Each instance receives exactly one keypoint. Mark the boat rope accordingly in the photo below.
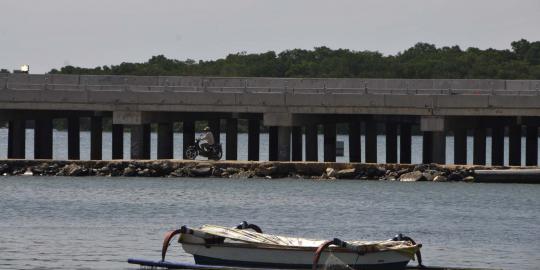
(166, 242)
(401, 237)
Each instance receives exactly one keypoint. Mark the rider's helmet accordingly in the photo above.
(206, 129)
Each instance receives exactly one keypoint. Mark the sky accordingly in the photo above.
(54, 33)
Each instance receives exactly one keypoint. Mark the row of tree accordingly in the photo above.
(423, 60)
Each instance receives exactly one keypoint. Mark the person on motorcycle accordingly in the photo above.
(206, 139)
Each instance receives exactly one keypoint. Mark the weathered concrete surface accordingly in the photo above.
(269, 170)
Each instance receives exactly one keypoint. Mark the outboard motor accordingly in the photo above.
(401, 237)
(245, 225)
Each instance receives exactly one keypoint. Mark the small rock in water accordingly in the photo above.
(469, 179)
(28, 173)
(412, 177)
(440, 178)
(346, 174)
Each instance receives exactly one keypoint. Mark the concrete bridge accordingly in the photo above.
(288, 106)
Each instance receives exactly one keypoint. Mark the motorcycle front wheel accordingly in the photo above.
(191, 152)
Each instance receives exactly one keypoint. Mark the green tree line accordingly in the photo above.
(423, 60)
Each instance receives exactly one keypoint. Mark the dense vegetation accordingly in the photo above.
(423, 60)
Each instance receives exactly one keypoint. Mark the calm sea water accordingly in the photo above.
(97, 223)
(60, 149)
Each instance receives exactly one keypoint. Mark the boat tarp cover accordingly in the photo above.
(252, 237)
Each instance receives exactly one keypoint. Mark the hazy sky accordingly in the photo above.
(52, 33)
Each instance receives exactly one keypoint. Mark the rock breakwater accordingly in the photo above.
(241, 169)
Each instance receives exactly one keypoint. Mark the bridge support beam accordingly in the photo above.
(460, 146)
(273, 143)
(296, 134)
(188, 135)
(74, 138)
(165, 140)
(405, 141)
(391, 142)
(16, 139)
(140, 141)
(312, 143)
(254, 131)
(355, 144)
(117, 141)
(330, 142)
(96, 137)
(232, 139)
(531, 149)
(514, 145)
(284, 143)
(43, 139)
(434, 139)
(497, 146)
(479, 146)
(371, 141)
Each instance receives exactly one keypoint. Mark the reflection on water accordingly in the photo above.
(97, 223)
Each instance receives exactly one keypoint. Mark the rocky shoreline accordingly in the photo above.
(243, 169)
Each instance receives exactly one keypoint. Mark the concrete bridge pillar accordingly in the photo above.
(74, 138)
(371, 141)
(531, 149)
(330, 142)
(165, 140)
(284, 143)
(434, 139)
(254, 130)
(96, 137)
(140, 141)
(232, 139)
(514, 145)
(16, 139)
(405, 141)
(497, 146)
(312, 143)
(273, 143)
(117, 141)
(460, 146)
(43, 139)
(188, 135)
(355, 145)
(296, 134)
(479, 146)
(215, 127)
(391, 142)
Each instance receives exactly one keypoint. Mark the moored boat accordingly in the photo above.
(247, 246)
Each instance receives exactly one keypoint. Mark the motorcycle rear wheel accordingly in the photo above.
(191, 153)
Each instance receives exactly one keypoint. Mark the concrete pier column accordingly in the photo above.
(312, 143)
(165, 141)
(188, 134)
(479, 146)
(355, 145)
(117, 141)
(16, 139)
(371, 141)
(273, 143)
(232, 139)
(391, 142)
(96, 137)
(254, 131)
(497, 146)
(460, 146)
(140, 141)
(74, 138)
(43, 139)
(296, 133)
(284, 143)
(405, 141)
(427, 147)
(514, 145)
(330, 142)
(215, 127)
(531, 149)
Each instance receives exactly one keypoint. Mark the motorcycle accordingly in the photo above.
(214, 152)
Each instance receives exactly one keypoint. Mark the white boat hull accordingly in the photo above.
(290, 258)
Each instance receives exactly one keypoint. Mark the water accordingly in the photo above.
(60, 149)
(97, 223)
